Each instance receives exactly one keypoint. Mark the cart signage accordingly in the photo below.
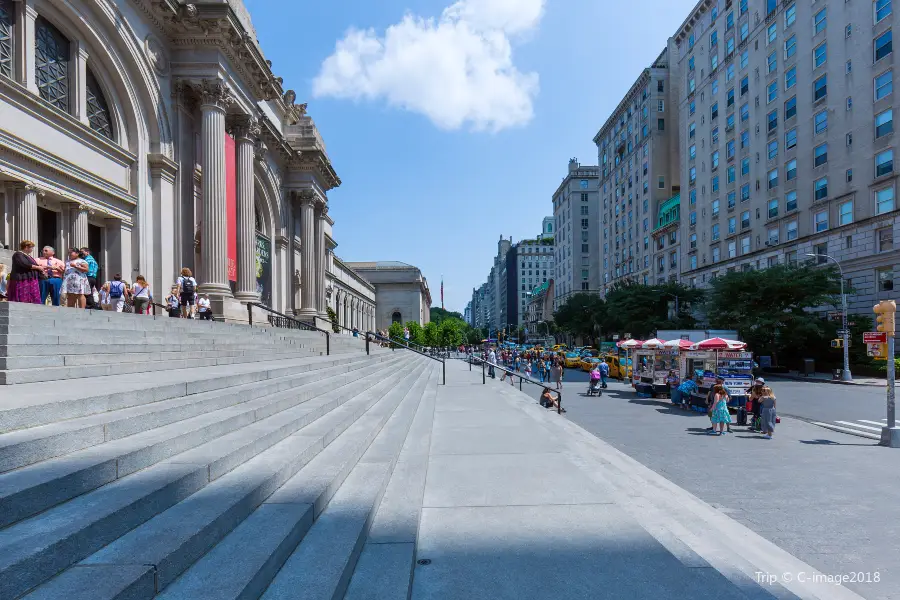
(875, 337)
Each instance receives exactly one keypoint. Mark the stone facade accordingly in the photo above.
(576, 212)
(401, 292)
(114, 137)
(350, 296)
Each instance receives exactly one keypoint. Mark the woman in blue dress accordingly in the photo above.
(720, 415)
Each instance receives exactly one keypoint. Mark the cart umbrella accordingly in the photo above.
(719, 344)
(654, 344)
(679, 344)
(629, 344)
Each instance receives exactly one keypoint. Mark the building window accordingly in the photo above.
(773, 236)
(773, 179)
(882, 10)
(6, 28)
(51, 65)
(732, 249)
(714, 111)
(790, 47)
(715, 208)
(745, 245)
(772, 121)
(731, 200)
(884, 201)
(732, 225)
(396, 318)
(885, 239)
(745, 85)
(661, 183)
(772, 62)
(772, 150)
(791, 169)
(884, 163)
(884, 123)
(820, 22)
(821, 188)
(820, 155)
(745, 192)
(884, 85)
(849, 68)
(790, 15)
(821, 218)
(885, 279)
(716, 255)
(745, 112)
(790, 108)
(845, 213)
(661, 124)
(884, 45)
(745, 219)
(820, 55)
(772, 33)
(791, 230)
(715, 232)
(790, 201)
(849, 138)
(821, 120)
(772, 92)
(745, 167)
(98, 114)
(820, 88)
(849, 175)
(773, 208)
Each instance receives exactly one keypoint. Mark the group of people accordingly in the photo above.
(73, 283)
(546, 367)
(763, 416)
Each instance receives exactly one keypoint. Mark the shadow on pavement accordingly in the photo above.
(833, 443)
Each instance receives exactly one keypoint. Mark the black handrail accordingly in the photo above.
(282, 321)
(370, 336)
(522, 378)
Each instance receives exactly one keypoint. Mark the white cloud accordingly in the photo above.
(456, 69)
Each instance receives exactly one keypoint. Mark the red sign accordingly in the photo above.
(231, 205)
(875, 337)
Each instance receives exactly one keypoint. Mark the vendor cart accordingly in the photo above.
(734, 367)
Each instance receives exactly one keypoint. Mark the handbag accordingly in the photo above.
(95, 295)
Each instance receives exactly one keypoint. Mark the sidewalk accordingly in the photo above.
(827, 378)
(522, 504)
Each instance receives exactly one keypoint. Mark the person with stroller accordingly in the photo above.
(604, 372)
(596, 382)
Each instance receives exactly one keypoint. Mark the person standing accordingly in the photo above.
(719, 413)
(204, 308)
(604, 372)
(76, 283)
(25, 276)
(769, 416)
(556, 373)
(116, 293)
(140, 294)
(187, 287)
(492, 360)
(93, 269)
(54, 269)
(172, 302)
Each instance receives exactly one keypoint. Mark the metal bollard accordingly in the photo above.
(444, 366)
(483, 375)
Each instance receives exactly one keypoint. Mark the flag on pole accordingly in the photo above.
(442, 291)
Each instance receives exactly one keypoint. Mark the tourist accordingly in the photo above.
(719, 414)
(682, 394)
(173, 303)
(556, 373)
(25, 276)
(604, 372)
(492, 360)
(204, 308)
(710, 402)
(105, 300)
(768, 415)
(54, 269)
(93, 269)
(187, 289)
(116, 292)
(141, 296)
(4, 277)
(76, 284)
(548, 400)
(755, 404)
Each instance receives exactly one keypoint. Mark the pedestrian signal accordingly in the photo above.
(886, 312)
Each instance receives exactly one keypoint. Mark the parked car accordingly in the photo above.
(587, 364)
(573, 360)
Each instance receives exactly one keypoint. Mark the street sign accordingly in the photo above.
(875, 337)
(843, 332)
(615, 336)
(627, 336)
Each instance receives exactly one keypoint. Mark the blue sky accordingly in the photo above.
(452, 132)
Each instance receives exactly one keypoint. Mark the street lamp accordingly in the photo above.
(845, 376)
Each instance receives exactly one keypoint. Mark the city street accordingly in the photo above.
(831, 499)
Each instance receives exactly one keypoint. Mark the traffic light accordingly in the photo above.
(884, 321)
(838, 343)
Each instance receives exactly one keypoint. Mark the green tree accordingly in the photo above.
(641, 310)
(415, 332)
(580, 314)
(431, 334)
(439, 315)
(770, 308)
(451, 333)
(396, 331)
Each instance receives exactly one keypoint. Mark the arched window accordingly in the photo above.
(51, 64)
(6, 13)
(396, 318)
(98, 114)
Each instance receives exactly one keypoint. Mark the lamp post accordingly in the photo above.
(845, 376)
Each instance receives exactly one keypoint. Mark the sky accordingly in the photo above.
(451, 124)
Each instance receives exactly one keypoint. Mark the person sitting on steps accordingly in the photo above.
(548, 400)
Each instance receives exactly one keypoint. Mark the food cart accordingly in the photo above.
(717, 357)
(625, 373)
(652, 363)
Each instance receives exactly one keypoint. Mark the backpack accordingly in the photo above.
(187, 285)
(116, 289)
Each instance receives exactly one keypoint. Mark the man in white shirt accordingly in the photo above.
(203, 308)
(492, 360)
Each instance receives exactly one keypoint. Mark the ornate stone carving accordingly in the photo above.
(260, 149)
(190, 11)
(156, 55)
(30, 187)
(329, 290)
(214, 92)
(307, 195)
(290, 97)
(246, 127)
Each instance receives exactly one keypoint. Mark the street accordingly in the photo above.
(829, 498)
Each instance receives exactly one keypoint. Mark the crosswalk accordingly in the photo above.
(862, 427)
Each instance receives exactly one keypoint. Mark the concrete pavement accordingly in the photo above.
(520, 502)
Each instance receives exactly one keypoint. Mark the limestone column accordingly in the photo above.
(79, 218)
(321, 215)
(246, 133)
(308, 295)
(26, 214)
(215, 99)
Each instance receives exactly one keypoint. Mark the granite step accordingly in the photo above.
(29, 490)
(181, 533)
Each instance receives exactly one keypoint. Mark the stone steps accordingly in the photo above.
(31, 489)
(199, 508)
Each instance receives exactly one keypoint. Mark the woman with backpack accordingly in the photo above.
(140, 293)
(117, 291)
(187, 288)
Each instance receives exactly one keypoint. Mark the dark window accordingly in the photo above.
(6, 13)
(52, 64)
(396, 318)
(97, 109)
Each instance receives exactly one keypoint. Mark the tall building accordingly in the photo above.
(576, 216)
(787, 139)
(529, 263)
(639, 181)
(467, 313)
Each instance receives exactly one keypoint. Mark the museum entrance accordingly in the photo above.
(48, 232)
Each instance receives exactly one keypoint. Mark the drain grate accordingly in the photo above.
(423, 561)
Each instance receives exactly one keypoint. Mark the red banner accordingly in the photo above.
(231, 205)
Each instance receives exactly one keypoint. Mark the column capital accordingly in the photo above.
(32, 188)
(162, 166)
(306, 196)
(214, 93)
(246, 128)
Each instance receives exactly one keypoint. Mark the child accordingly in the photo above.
(719, 414)
(768, 417)
(528, 369)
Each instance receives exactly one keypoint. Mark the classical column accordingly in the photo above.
(26, 214)
(24, 52)
(79, 216)
(308, 254)
(246, 131)
(321, 212)
(215, 98)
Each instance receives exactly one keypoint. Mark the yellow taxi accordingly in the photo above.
(617, 367)
(573, 360)
(588, 364)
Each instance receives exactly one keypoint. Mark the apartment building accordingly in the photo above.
(787, 139)
(576, 214)
(639, 182)
(532, 264)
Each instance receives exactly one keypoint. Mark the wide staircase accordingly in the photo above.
(145, 457)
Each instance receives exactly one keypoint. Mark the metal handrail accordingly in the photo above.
(522, 378)
(282, 321)
(374, 336)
